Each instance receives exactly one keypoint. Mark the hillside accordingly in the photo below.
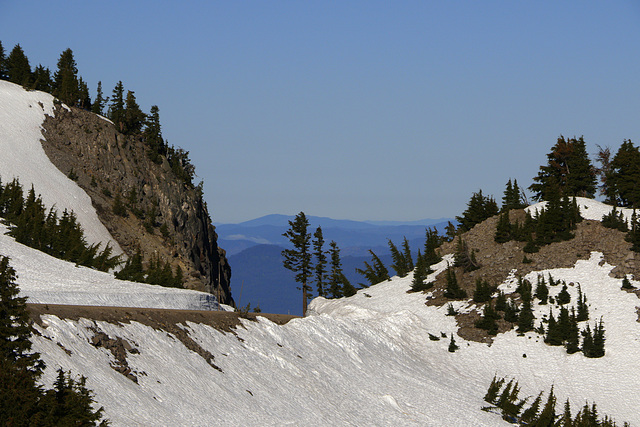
(48, 142)
(377, 358)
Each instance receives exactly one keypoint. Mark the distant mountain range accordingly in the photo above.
(254, 252)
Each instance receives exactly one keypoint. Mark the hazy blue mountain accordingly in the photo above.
(260, 279)
(353, 237)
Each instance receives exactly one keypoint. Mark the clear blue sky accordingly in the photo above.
(355, 109)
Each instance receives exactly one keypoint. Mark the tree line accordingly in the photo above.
(121, 108)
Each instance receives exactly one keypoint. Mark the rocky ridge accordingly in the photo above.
(167, 217)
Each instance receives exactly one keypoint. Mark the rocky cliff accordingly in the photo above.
(165, 217)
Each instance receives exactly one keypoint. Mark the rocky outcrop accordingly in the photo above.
(165, 217)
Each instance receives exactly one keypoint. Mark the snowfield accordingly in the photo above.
(21, 116)
(363, 360)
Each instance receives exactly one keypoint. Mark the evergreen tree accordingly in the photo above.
(501, 302)
(464, 257)
(503, 229)
(615, 219)
(116, 107)
(406, 254)
(598, 340)
(452, 345)
(66, 87)
(572, 343)
(624, 174)
(431, 244)
(511, 312)
(18, 68)
(335, 274)
(530, 414)
(563, 297)
(488, 320)
(568, 169)
(419, 283)
(548, 415)
(3, 65)
(587, 342)
(542, 291)
(42, 79)
(98, 105)
(298, 259)
(478, 209)
(84, 100)
(153, 136)
(626, 284)
(525, 317)
(453, 290)
(400, 262)
(375, 272)
(583, 309)
(494, 388)
(133, 117)
(321, 261)
(450, 231)
(513, 197)
(483, 291)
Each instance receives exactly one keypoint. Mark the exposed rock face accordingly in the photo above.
(166, 217)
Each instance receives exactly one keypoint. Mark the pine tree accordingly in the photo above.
(18, 68)
(3, 65)
(335, 274)
(478, 209)
(116, 107)
(320, 261)
(465, 257)
(98, 105)
(598, 340)
(133, 117)
(452, 345)
(554, 334)
(431, 244)
(153, 136)
(298, 259)
(548, 415)
(406, 254)
(572, 343)
(453, 290)
(419, 284)
(488, 320)
(583, 309)
(563, 297)
(503, 229)
(42, 79)
(375, 272)
(623, 176)
(525, 317)
(501, 301)
(530, 414)
(400, 262)
(511, 312)
(494, 388)
(542, 291)
(483, 291)
(66, 87)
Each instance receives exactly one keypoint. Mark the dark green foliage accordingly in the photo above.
(524, 289)
(406, 254)
(156, 273)
(583, 309)
(483, 291)
(298, 259)
(503, 229)
(452, 345)
(593, 344)
(465, 257)
(431, 243)
(3, 65)
(478, 209)
(511, 312)
(633, 236)
(488, 320)
(568, 171)
(615, 219)
(133, 118)
(420, 273)
(22, 400)
(623, 176)
(513, 197)
(514, 411)
(375, 272)
(18, 68)
(626, 284)
(100, 102)
(152, 135)
(563, 297)
(554, 333)
(42, 79)
(66, 86)
(453, 290)
(61, 237)
(321, 261)
(335, 283)
(402, 262)
(525, 317)
(181, 165)
(542, 291)
(572, 340)
(116, 107)
(450, 231)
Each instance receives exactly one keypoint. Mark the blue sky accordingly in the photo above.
(355, 109)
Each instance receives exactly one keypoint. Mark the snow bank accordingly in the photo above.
(47, 280)
(21, 116)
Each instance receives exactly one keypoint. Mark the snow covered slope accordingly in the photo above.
(47, 280)
(21, 116)
(363, 360)
(589, 209)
